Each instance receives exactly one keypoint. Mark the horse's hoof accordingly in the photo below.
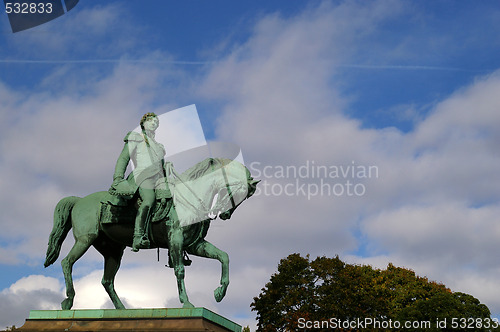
(140, 243)
(67, 304)
(219, 293)
(188, 304)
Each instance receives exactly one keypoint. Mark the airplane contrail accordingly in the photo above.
(90, 61)
(410, 67)
(201, 63)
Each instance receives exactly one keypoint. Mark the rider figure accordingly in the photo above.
(147, 155)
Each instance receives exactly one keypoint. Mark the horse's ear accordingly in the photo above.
(253, 183)
(252, 187)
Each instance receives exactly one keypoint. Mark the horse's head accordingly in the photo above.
(234, 195)
(215, 187)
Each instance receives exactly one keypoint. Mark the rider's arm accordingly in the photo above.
(122, 163)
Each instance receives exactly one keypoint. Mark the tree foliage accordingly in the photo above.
(327, 288)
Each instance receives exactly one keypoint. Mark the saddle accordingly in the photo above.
(111, 213)
(120, 212)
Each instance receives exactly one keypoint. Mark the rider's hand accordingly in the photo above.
(116, 181)
(168, 168)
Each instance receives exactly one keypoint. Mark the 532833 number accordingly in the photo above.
(28, 8)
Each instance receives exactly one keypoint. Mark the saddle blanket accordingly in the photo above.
(125, 214)
(112, 214)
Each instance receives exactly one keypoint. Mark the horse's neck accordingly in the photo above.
(206, 186)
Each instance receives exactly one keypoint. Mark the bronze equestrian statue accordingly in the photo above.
(178, 219)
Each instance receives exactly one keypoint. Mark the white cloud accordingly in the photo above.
(455, 233)
(144, 286)
(432, 208)
(35, 282)
(32, 292)
(434, 204)
(55, 145)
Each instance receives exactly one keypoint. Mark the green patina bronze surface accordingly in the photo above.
(179, 210)
(150, 313)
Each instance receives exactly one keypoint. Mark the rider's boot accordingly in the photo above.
(140, 238)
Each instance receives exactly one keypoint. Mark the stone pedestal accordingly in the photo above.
(172, 319)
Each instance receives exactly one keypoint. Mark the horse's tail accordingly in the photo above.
(62, 225)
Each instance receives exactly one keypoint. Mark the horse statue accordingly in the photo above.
(212, 188)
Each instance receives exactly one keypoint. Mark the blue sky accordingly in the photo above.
(411, 87)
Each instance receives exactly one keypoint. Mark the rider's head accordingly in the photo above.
(146, 117)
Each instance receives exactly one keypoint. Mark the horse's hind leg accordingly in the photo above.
(79, 248)
(112, 253)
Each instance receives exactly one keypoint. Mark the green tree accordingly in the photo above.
(325, 288)
(288, 294)
(346, 291)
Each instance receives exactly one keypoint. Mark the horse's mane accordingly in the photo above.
(204, 167)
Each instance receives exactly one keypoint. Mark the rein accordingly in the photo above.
(192, 192)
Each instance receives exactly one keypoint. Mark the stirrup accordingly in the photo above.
(140, 242)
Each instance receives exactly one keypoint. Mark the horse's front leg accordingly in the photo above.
(208, 250)
(175, 251)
